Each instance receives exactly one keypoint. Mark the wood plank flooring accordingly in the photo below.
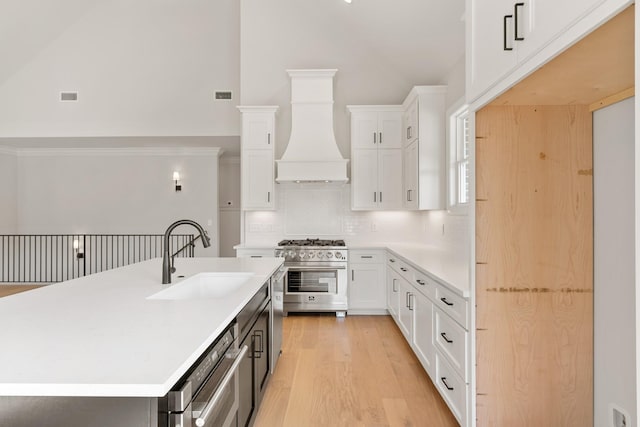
(6, 290)
(352, 372)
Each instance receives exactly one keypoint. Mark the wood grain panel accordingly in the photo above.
(598, 66)
(534, 272)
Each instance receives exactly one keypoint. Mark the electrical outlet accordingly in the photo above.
(619, 417)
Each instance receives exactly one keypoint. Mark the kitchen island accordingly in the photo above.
(101, 336)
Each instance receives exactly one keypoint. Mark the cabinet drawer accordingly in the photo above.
(452, 388)
(255, 253)
(401, 267)
(452, 304)
(450, 339)
(366, 257)
(424, 284)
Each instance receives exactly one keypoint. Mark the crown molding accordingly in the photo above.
(124, 151)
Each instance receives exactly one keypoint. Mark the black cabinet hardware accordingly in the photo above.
(403, 269)
(420, 282)
(504, 31)
(444, 300)
(444, 381)
(444, 336)
(516, 19)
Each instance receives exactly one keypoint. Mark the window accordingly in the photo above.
(459, 153)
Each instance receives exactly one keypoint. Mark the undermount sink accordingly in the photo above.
(204, 286)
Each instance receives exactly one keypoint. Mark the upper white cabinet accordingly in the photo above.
(376, 157)
(501, 35)
(376, 127)
(257, 157)
(424, 152)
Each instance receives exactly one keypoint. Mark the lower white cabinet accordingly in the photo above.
(393, 293)
(423, 331)
(405, 310)
(255, 252)
(433, 320)
(367, 285)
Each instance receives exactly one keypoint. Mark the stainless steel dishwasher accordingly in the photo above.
(208, 395)
(277, 306)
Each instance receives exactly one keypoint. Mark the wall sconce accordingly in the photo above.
(176, 178)
(77, 249)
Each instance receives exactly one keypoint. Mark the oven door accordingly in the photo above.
(216, 403)
(310, 279)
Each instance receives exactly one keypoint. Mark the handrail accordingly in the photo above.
(49, 258)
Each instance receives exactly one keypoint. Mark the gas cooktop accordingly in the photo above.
(311, 242)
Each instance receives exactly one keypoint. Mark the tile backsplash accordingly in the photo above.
(324, 211)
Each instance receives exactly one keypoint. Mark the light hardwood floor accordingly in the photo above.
(357, 371)
(6, 290)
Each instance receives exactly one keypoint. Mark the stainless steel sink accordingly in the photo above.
(204, 286)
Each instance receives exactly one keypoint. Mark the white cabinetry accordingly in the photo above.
(367, 286)
(376, 157)
(255, 252)
(257, 162)
(501, 35)
(425, 147)
(434, 321)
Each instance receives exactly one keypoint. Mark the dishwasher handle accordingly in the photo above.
(202, 419)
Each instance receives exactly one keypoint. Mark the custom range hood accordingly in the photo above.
(312, 154)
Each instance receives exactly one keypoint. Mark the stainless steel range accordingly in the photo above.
(317, 276)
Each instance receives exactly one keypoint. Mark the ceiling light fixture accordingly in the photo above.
(348, 1)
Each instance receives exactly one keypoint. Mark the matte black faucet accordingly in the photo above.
(166, 257)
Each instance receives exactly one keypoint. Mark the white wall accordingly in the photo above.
(614, 266)
(8, 192)
(229, 202)
(147, 67)
(286, 34)
(445, 230)
(117, 191)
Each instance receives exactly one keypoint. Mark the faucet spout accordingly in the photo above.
(166, 257)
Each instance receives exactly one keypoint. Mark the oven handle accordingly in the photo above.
(202, 419)
(292, 268)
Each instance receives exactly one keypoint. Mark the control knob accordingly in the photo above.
(302, 255)
(320, 254)
(329, 255)
(311, 254)
(338, 255)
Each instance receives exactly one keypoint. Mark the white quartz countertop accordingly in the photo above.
(100, 335)
(450, 269)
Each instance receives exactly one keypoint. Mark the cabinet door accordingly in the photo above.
(257, 179)
(410, 189)
(364, 132)
(541, 21)
(393, 293)
(390, 179)
(367, 287)
(411, 130)
(486, 58)
(261, 353)
(423, 331)
(257, 131)
(405, 309)
(364, 179)
(390, 129)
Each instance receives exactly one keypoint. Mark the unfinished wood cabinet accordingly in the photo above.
(534, 278)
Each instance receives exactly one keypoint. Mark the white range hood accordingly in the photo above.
(312, 154)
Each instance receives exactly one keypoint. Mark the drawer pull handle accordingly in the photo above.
(420, 282)
(256, 256)
(393, 286)
(516, 19)
(366, 256)
(504, 32)
(444, 300)
(392, 260)
(444, 336)
(403, 269)
(444, 381)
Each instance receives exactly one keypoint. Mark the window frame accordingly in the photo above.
(455, 114)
